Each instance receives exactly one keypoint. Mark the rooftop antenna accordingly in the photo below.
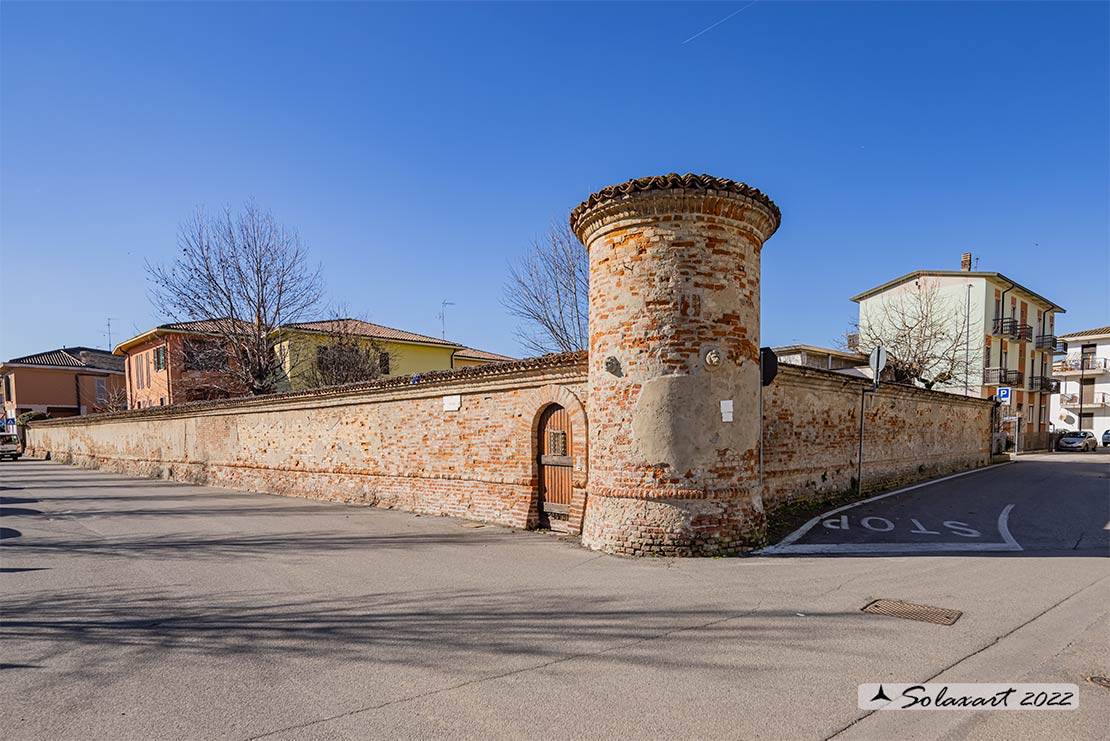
(443, 317)
(976, 264)
(110, 346)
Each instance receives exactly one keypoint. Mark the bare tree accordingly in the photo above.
(548, 290)
(114, 400)
(347, 355)
(925, 335)
(247, 274)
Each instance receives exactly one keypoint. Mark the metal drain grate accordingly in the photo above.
(910, 611)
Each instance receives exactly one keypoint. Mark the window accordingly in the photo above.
(204, 355)
(162, 401)
(557, 442)
(383, 363)
(7, 387)
(101, 390)
(160, 358)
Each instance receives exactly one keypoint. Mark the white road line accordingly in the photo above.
(1004, 528)
(819, 548)
(797, 534)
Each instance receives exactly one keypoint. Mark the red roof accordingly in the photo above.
(74, 357)
(469, 353)
(366, 329)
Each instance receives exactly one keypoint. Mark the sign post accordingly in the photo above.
(768, 369)
(877, 362)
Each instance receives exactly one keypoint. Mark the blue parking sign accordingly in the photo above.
(1003, 393)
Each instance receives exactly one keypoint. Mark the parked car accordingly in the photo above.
(1106, 439)
(10, 447)
(1083, 440)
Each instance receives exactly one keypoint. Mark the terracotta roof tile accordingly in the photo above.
(1097, 331)
(214, 326)
(568, 360)
(74, 357)
(367, 329)
(673, 181)
(473, 354)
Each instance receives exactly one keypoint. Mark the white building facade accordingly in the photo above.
(1008, 331)
(1084, 375)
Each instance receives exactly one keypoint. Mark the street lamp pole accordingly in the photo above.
(1082, 373)
(967, 345)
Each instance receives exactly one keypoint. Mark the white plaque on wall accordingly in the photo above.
(452, 403)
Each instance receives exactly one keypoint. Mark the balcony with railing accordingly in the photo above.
(1081, 366)
(1011, 327)
(1052, 344)
(1004, 326)
(1044, 383)
(1090, 401)
(1002, 377)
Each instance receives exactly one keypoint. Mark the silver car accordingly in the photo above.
(10, 446)
(1082, 440)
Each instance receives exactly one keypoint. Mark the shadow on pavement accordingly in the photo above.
(200, 545)
(430, 628)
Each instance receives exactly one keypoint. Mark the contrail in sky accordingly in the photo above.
(710, 28)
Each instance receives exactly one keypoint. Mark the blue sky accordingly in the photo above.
(419, 147)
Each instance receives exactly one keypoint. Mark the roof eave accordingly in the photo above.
(1053, 306)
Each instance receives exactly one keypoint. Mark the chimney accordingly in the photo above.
(965, 262)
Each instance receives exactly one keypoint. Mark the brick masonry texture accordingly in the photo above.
(657, 469)
(811, 436)
(394, 446)
(391, 446)
(674, 276)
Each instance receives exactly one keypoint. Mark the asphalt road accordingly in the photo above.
(138, 609)
(1048, 503)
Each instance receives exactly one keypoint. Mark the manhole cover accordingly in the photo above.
(1100, 681)
(910, 611)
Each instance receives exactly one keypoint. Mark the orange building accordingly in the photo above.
(63, 383)
(174, 363)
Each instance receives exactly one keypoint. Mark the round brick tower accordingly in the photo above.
(674, 364)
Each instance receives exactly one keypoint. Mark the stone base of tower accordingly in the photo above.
(674, 527)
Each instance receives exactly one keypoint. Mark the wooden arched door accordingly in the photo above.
(556, 466)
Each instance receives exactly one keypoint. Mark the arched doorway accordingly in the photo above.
(554, 445)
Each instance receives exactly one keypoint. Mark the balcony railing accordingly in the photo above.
(1004, 326)
(1051, 343)
(1044, 383)
(1002, 377)
(1071, 401)
(1011, 327)
(1076, 365)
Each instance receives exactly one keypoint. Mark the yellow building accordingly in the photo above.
(302, 346)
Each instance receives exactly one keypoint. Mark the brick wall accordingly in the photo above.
(811, 436)
(666, 446)
(390, 444)
(674, 334)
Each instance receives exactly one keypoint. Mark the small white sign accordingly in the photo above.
(1003, 393)
(452, 403)
(726, 410)
(877, 361)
